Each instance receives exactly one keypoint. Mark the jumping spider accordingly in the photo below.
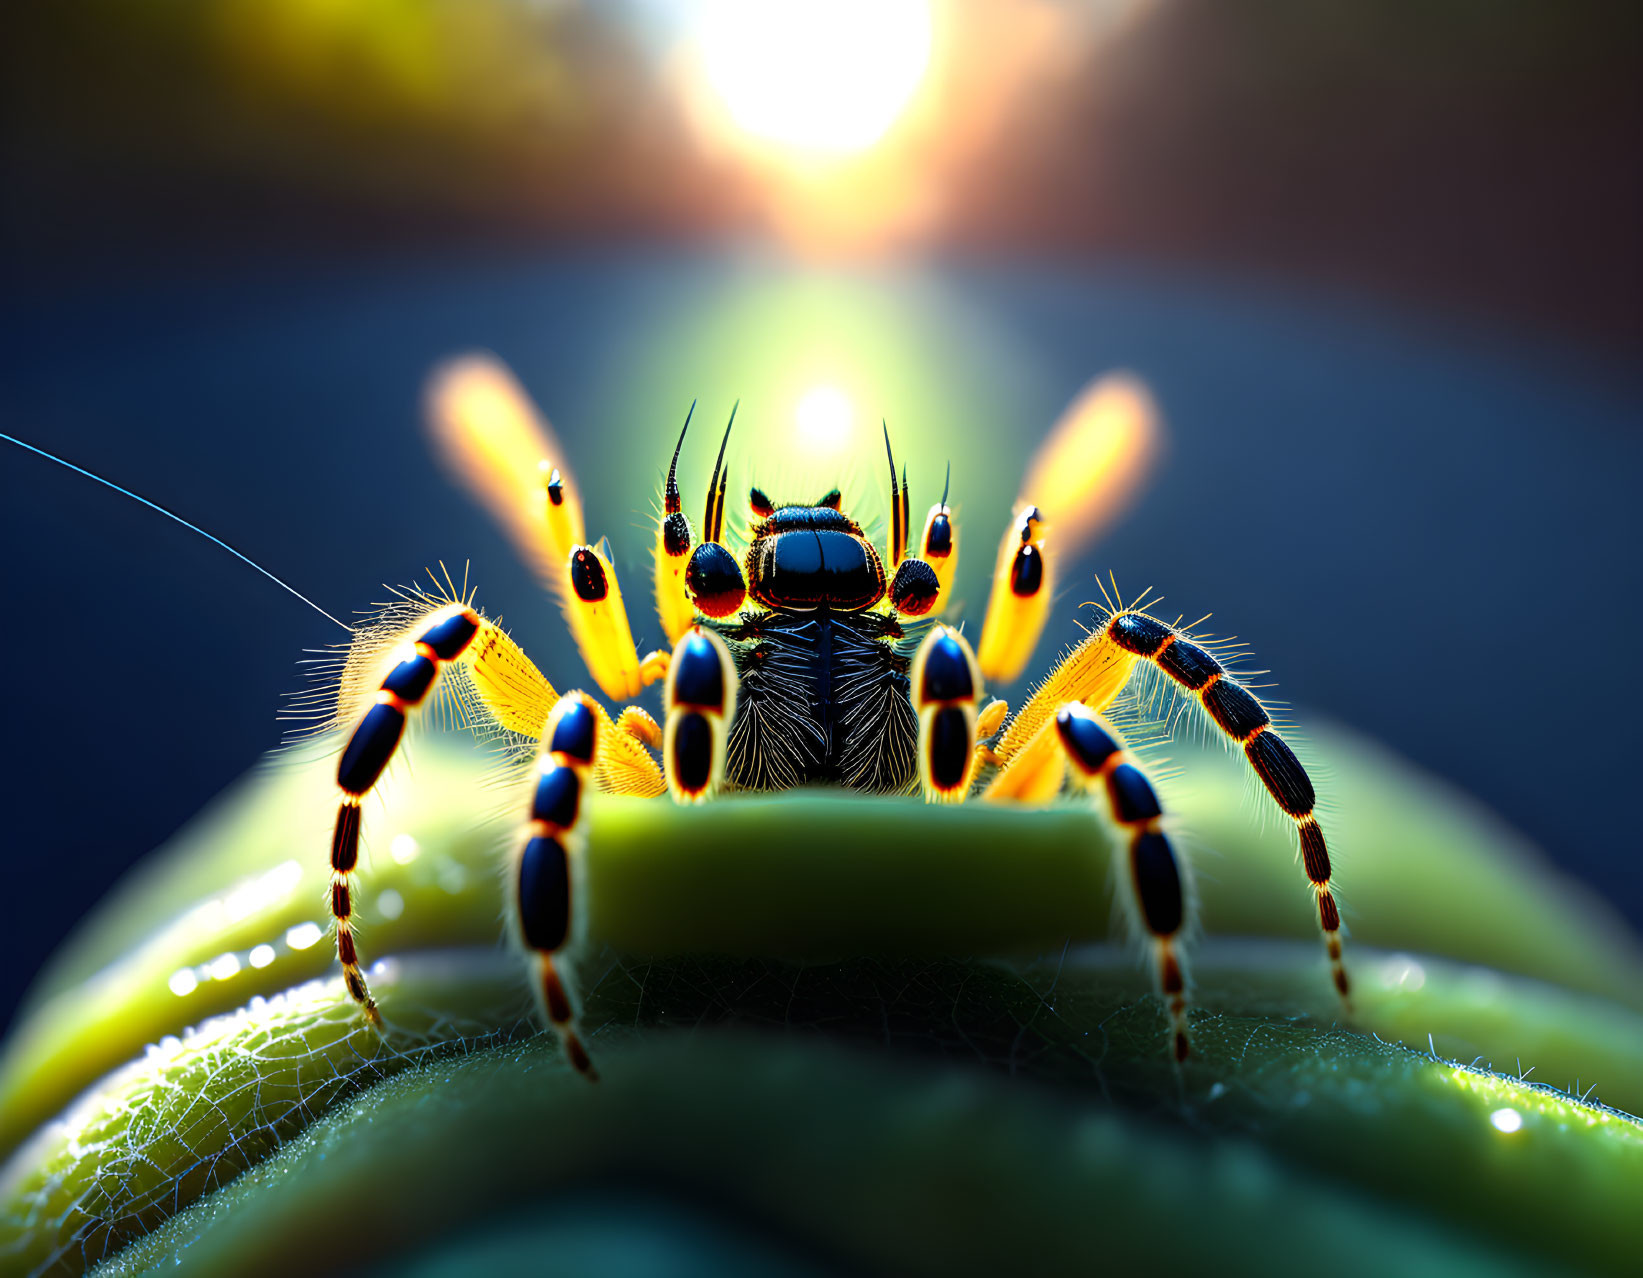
(802, 656)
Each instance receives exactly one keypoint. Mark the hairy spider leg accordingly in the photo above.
(946, 685)
(544, 878)
(598, 621)
(989, 720)
(713, 579)
(701, 703)
(641, 725)
(1155, 891)
(1091, 672)
(1023, 582)
(672, 553)
(495, 442)
(1236, 712)
(1088, 469)
(938, 544)
(1096, 671)
(1033, 773)
(443, 638)
(915, 586)
(508, 691)
(491, 687)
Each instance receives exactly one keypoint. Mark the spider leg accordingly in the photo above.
(442, 636)
(989, 720)
(672, 553)
(641, 725)
(512, 692)
(1033, 773)
(1154, 891)
(440, 649)
(938, 544)
(544, 875)
(1088, 468)
(946, 687)
(1023, 582)
(1084, 744)
(493, 439)
(598, 621)
(701, 703)
(1096, 671)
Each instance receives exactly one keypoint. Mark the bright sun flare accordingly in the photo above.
(823, 76)
(824, 416)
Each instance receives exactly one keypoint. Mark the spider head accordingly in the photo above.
(804, 557)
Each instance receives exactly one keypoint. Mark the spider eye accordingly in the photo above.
(832, 500)
(759, 503)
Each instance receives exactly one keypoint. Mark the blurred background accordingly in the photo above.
(1378, 263)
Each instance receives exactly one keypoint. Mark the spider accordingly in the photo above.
(802, 655)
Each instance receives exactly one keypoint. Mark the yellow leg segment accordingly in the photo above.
(988, 722)
(1087, 471)
(1035, 773)
(518, 696)
(510, 691)
(501, 449)
(598, 622)
(495, 442)
(639, 724)
(1093, 673)
(938, 545)
(672, 552)
(1023, 582)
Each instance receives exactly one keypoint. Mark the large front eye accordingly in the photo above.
(759, 504)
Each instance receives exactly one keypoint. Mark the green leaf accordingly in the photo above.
(878, 1105)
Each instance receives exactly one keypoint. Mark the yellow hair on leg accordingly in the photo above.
(1094, 672)
(1015, 620)
(673, 607)
(624, 765)
(517, 695)
(1034, 772)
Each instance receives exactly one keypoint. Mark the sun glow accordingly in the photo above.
(826, 77)
(825, 418)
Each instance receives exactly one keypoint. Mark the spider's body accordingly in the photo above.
(803, 558)
(809, 658)
(820, 659)
(824, 700)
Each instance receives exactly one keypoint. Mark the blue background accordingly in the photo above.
(1427, 532)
